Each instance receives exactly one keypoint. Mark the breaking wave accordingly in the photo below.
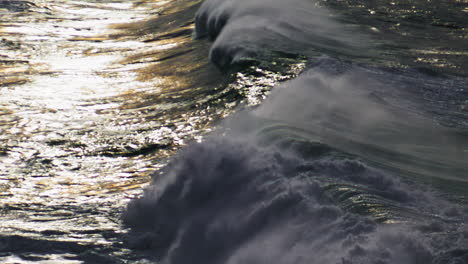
(229, 201)
(245, 29)
(327, 170)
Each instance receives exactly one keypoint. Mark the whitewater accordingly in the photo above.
(326, 169)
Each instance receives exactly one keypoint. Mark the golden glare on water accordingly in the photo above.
(77, 111)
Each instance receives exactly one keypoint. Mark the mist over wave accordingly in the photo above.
(387, 116)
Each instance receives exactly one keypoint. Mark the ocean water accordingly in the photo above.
(234, 131)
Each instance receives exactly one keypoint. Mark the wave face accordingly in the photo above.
(327, 170)
(387, 116)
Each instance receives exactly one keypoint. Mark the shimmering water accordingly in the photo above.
(72, 128)
(95, 96)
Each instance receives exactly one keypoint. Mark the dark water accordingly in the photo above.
(268, 131)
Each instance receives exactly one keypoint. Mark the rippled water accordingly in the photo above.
(97, 95)
(74, 125)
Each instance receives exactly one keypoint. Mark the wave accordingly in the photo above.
(386, 116)
(229, 201)
(284, 184)
(251, 29)
(327, 170)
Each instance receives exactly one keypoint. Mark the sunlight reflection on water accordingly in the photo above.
(63, 168)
